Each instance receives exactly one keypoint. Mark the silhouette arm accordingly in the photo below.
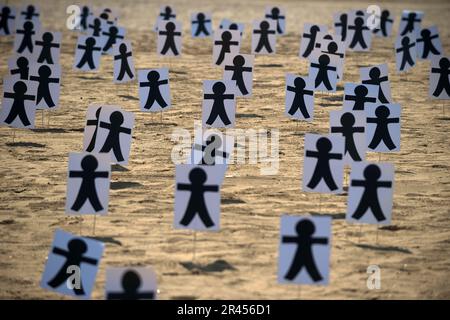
(337, 129)
(9, 95)
(230, 68)
(163, 82)
(358, 183)
(289, 88)
(209, 96)
(393, 120)
(125, 130)
(76, 174)
(384, 184)
(228, 96)
(372, 120)
(34, 78)
(102, 174)
(358, 129)
(312, 154)
(105, 125)
(53, 80)
(211, 188)
(320, 240)
(290, 239)
(60, 252)
(89, 260)
(184, 187)
(337, 156)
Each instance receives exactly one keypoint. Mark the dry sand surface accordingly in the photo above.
(240, 261)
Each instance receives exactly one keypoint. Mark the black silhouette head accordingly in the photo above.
(239, 61)
(347, 119)
(425, 33)
(314, 29)
(123, 48)
(405, 41)
(197, 176)
(77, 247)
(89, 163)
(328, 37)
(85, 10)
(90, 42)
(374, 73)
(275, 12)
(382, 112)
(104, 16)
(324, 60)
(444, 63)
(360, 13)
(97, 22)
(5, 11)
(359, 21)
(113, 30)
(22, 63)
(219, 88)
(107, 10)
(343, 18)
(28, 26)
(233, 26)
(299, 83)
(385, 13)
(201, 16)
(47, 37)
(323, 145)
(45, 71)
(168, 10)
(31, 9)
(332, 47)
(20, 87)
(226, 36)
(116, 118)
(170, 26)
(412, 16)
(305, 228)
(361, 91)
(131, 281)
(264, 25)
(153, 76)
(372, 172)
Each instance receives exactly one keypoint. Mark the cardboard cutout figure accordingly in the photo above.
(25, 37)
(169, 38)
(88, 53)
(239, 68)
(225, 42)
(410, 23)
(340, 22)
(359, 96)
(277, 14)
(123, 62)
(201, 25)
(154, 89)
(299, 103)
(47, 47)
(48, 82)
(359, 36)
(428, 44)
(405, 53)
(264, 36)
(378, 75)
(324, 72)
(440, 78)
(112, 35)
(219, 103)
(19, 67)
(383, 128)
(7, 20)
(135, 283)
(310, 38)
(386, 22)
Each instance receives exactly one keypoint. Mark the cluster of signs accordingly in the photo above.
(369, 121)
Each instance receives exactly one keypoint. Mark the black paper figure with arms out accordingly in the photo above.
(322, 73)
(314, 30)
(304, 257)
(18, 107)
(96, 27)
(30, 13)
(409, 27)
(382, 121)
(27, 40)
(167, 14)
(115, 128)
(74, 257)
(113, 35)
(88, 55)
(347, 130)
(22, 68)
(88, 191)
(201, 24)
(4, 20)
(443, 82)
(238, 72)
(375, 79)
(131, 282)
(218, 108)
(154, 94)
(124, 65)
(369, 199)
(225, 44)
(170, 34)
(299, 101)
(360, 97)
(343, 24)
(323, 170)
(196, 204)
(358, 35)
(210, 150)
(332, 48)
(384, 21)
(93, 122)
(46, 51)
(264, 37)
(83, 17)
(428, 45)
(406, 56)
(275, 15)
(43, 90)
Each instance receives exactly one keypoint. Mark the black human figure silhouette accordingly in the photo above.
(22, 68)
(4, 20)
(264, 32)
(443, 82)
(312, 36)
(47, 45)
(88, 191)
(410, 20)
(322, 169)
(384, 21)
(369, 199)
(196, 204)
(358, 34)
(332, 49)
(298, 103)
(212, 144)
(115, 128)
(343, 25)
(382, 121)
(406, 56)
(218, 108)
(43, 90)
(167, 14)
(348, 130)
(375, 79)
(30, 13)
(225, 44)
(131, 282)
(154, 94)
(360, 97)
(88, 55)
(96, 27)
(85, 12)
(322, 73)
(124, 65)
(18, 108)
(93, 122)
(113, 35)
(275, 15)
(74, 257)
(201, 24)
(27, 39)
(428, 45)
(170, 34)
(238, 73)
(304, 257)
